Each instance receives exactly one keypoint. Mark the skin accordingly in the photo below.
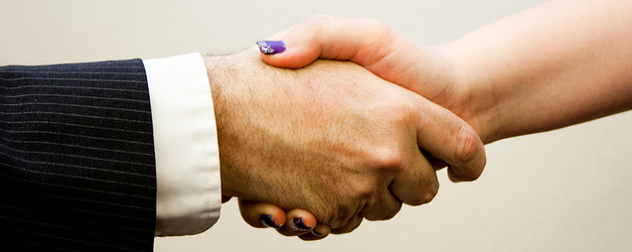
(560, 63)
(331, 138)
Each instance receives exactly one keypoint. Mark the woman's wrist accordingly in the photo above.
(473, 97)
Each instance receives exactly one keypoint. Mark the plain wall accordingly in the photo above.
(566, 190)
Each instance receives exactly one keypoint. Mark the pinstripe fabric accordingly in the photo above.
(77, 168)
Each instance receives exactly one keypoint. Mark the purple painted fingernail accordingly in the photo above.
(298, 225)
(271, 47)
(316, 233)
(268, 221)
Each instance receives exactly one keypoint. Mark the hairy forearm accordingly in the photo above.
(558, 64)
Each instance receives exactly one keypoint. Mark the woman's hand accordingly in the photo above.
(296, 222)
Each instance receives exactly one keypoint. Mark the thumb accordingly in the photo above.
(279, 53)
(364, 41)
(447, 137)
(375, 46)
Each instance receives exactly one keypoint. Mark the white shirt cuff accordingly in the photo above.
(185, 140)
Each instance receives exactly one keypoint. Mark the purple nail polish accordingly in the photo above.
(268, 221)
(316, 233)
(299, 225)
(271, 47)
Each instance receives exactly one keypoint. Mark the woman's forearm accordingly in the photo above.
(557, 64)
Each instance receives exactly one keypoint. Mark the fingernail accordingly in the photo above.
(268, 221)
(316, 233)
(299, 225)
(271, 47)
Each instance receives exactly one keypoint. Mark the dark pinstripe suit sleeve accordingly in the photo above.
(76, 158)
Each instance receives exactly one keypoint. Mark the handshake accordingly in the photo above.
(334, 143)
(319, 127)
(367, 115)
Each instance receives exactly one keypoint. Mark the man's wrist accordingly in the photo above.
(226, 77)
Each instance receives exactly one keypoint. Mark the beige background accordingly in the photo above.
(565, 190)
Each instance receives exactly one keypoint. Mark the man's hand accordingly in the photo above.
(332, 139)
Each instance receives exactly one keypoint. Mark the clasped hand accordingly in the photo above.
(333, 141)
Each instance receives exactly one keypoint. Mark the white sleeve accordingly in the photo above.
(185, 140)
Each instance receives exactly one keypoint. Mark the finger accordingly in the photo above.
(418, 183)
(383, 206)
(318, 233)
(436, 163)
(370, 43)
(262, 215)
(447, 137)
(350, 225)
(298, 222)
(331, 38)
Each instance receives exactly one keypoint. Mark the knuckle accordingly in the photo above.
(431, 194)
(336, 216)
(467, 147)
(425, 197)
(390, 159)
(363, 192)
(318, 25)
(381, 211)
(390, 213)
(467, 152)
(379, 32)
(408, 109)
(313, 23)
(349, 226)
